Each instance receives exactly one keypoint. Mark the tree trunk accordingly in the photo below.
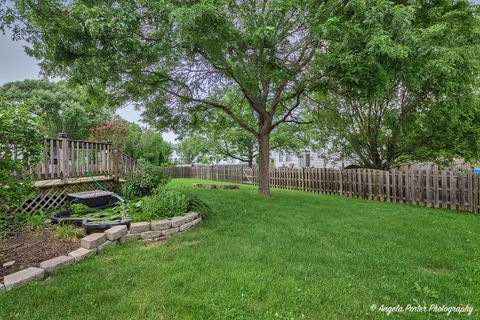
(264, 165)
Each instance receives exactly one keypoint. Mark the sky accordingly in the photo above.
(16, 65)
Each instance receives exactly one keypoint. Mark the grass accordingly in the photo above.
(295, 255)
(68, 231)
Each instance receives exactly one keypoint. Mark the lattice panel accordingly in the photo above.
(55, 197)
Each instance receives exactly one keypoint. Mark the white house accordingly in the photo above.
(305, 159)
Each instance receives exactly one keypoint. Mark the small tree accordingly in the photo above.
(20, 150)
(115, 131)
(137, 142)
(149, 145)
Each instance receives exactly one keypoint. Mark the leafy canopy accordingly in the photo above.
(73, 110)
(401, 82)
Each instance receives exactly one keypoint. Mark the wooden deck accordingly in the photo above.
(71, 181)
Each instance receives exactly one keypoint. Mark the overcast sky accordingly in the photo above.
(16, 65)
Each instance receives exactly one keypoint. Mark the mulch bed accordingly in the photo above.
(29, 249)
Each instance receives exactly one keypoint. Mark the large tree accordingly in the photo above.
(223, 139)
(70, 109)
(178, 56)
(402, 83)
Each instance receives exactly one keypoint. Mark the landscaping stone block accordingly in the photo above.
(198, 220)
(150, 234)
(189, 217)
(161, 225)
(23, 277)
(93, 240)
(115, 233)
(2, 287)
(185, 226)
(55, 263)
(81, 253)
(130, 237)
(105, 245)
(138, 227)
(170, 231)
(178, 221)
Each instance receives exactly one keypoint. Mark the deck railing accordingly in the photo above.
(65, 159)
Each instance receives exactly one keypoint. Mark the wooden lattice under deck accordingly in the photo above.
(52, 194)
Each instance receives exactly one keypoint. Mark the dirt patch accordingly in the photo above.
(434, 269)
(29, 249)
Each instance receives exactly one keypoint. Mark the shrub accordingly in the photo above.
(165, 204)
(12, 226)
(22, 222)
(144, 181)
(20, 149)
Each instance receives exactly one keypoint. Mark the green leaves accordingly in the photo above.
(60, 107)
(20, 150)
(165, 204)
(144, 181)
(401, 82)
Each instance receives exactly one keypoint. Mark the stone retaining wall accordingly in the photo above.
(96, 242)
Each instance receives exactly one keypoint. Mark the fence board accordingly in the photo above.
(424, 187)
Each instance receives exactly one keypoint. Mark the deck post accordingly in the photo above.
(63, 160)
(115, 165)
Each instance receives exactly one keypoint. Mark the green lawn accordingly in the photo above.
(296, 255)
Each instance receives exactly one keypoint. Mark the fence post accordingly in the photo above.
(63, 160)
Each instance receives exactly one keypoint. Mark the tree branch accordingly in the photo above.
(290, 110)
(218, 106)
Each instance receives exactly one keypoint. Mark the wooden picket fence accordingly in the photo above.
(430, 188)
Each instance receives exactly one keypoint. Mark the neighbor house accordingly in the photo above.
(305, 159)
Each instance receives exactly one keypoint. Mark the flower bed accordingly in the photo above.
(94, 243)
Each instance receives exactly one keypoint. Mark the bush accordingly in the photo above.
(144, 181)
(20, 149)
(165, 204)
(18, 223)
